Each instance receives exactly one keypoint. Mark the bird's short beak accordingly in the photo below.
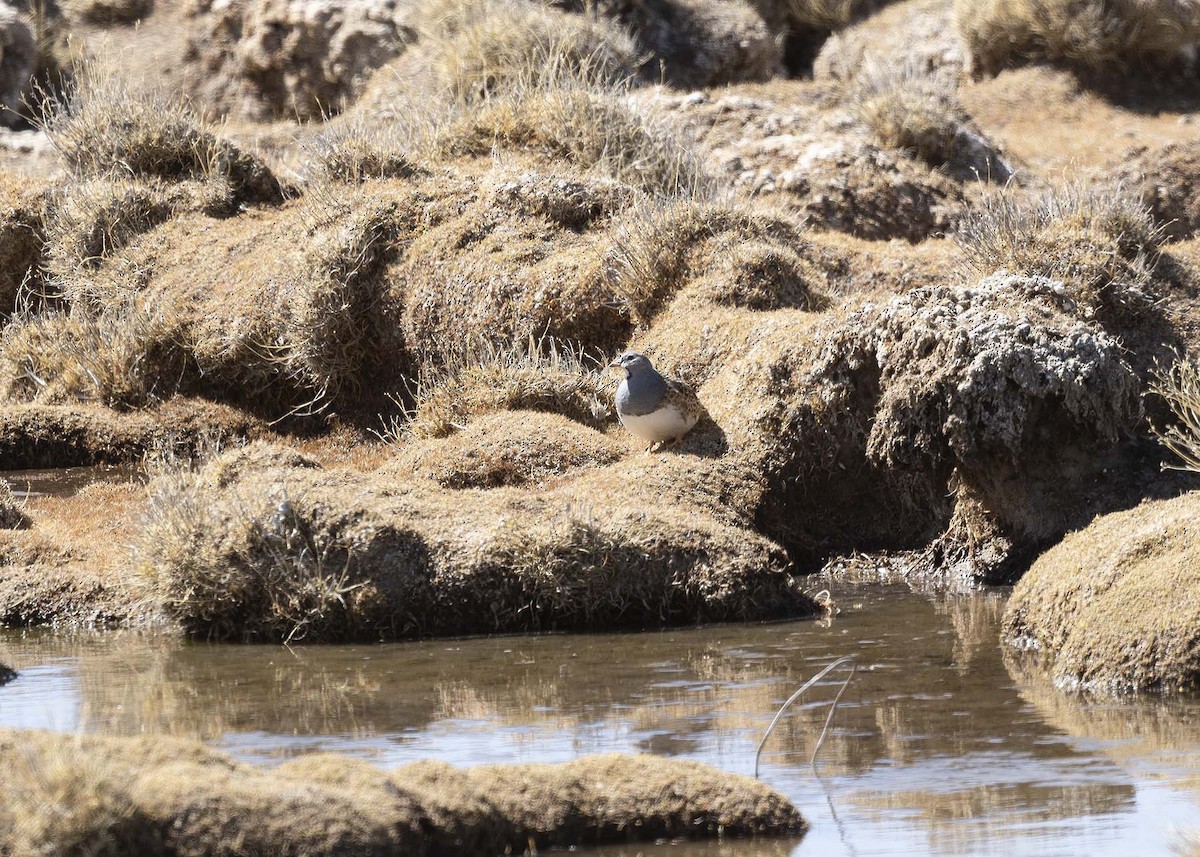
(616, 364)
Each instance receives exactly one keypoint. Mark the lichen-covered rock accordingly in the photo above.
(957, 385)
(287, 58)
(1115, 606)
(697, 43)
(18, 57)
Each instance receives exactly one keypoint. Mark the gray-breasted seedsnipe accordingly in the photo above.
(654, 408)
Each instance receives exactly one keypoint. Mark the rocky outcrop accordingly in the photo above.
(291, 58)
(18, 58)
(999, 390)
(697, 43)
(917, 36)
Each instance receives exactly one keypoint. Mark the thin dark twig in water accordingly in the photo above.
(840, 662)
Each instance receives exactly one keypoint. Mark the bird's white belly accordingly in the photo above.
(664, 424)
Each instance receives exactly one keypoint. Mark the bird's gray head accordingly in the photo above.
(632, 364)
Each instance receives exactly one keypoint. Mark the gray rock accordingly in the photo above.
(18, 54)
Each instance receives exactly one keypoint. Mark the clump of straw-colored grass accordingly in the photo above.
(1179, 387)
(534, 375)
(1101, 242)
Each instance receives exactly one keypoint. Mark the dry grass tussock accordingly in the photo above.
(121, 358)
(536, 375)
(907, 108)
(356, 151)
(335, 325)
(88, 220)
(1102, 243)
(1097, 36)
(12, 514)
(477, 48)
(62, 800)
(1179, 386)
(21, 238)
(159, 796)
(106, 124)
(589, 126)
(660, 245)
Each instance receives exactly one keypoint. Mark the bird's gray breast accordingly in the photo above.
(641, 394)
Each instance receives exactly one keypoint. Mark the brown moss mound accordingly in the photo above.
(1169, 181)
(302, 554)
(168, 797)
(907, 109)
(1109, 37)
(851, 186)
(34, 436)
(511, 448)
(1115, 606)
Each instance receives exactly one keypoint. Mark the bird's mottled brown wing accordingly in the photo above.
(683, 397)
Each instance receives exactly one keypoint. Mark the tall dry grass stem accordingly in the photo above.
(841, 663)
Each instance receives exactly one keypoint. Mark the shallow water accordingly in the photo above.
(62, 481)
(938, 747)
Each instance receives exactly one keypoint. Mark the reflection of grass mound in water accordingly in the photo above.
(1109, 607)
(163, 796)
(298, 553)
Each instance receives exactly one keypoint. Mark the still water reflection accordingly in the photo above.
(939, 746)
